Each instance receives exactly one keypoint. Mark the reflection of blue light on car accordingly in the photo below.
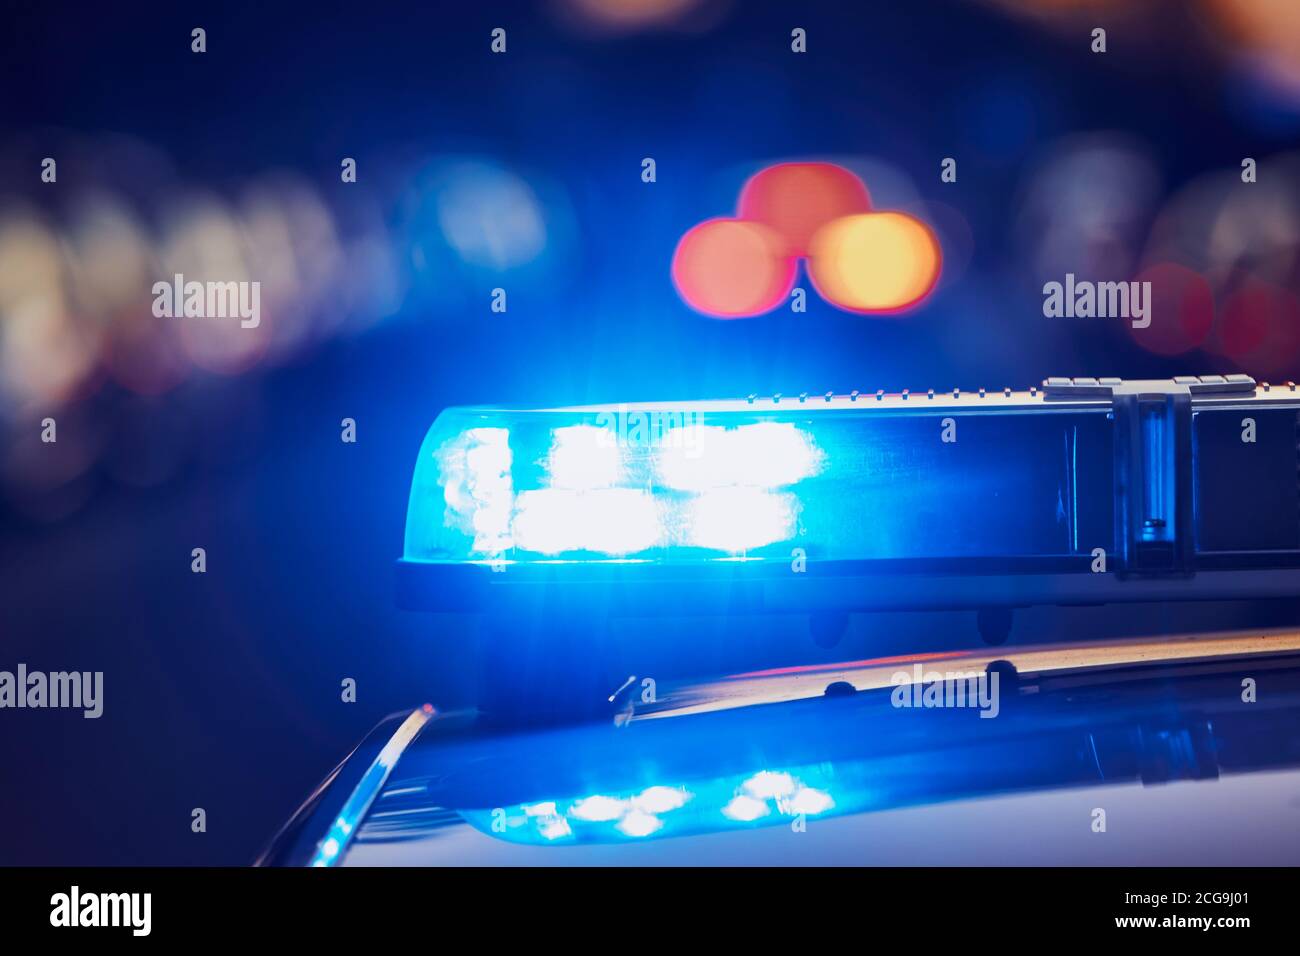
(599, 808)
(698, 806)
(745, 808)
(367, 789)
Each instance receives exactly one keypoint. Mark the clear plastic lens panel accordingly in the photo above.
(679, 486)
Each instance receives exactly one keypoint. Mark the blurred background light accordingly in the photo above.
(291, 243)
(617, 17)
(797, 199)
(952, 232)
(489, 216)
(875, 262)
(109, 256)
(1260, 327)
(1236, 244)
(1270, 29)
(46, 354)
(732, 269)
(204, 243)
(1086, 208)
(466, 224)
(1181, 309)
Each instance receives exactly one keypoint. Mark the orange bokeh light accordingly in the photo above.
(732, 269)
(797, 199)
(875, 262)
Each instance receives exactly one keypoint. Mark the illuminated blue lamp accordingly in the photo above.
(1081, 490)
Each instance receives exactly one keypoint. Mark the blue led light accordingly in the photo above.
(609, 521)
(584, 457)
(592, 489)
(740, 519)
(759, 455)
(767, 785)
(726, 481)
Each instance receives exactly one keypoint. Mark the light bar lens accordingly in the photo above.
(612, 484)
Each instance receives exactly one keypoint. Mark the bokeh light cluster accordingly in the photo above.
(858, 259)
(1222, 251)
(138, 397)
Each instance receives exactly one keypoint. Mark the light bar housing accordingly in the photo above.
(1076, 492)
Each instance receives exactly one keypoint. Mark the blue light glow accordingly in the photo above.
(591, 492)
(606, 484)
(660, 799)
(762, 455)
(330, 848)
(613, 521)
(639, 824)
(556, 828)
(745, 809)
(584, 457)
(739, 519)
(476, 486)
(599, 808)
(767, 785)
(810, 801)
(760, 799)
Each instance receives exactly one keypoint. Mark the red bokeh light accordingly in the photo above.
(797, 199)
(1260, 328)
(732, 269)
(1181, 309)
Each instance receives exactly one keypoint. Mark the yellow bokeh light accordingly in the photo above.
(875, 262)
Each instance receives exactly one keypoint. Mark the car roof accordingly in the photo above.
(821, 764)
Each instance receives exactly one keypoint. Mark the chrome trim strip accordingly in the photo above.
(334, 843)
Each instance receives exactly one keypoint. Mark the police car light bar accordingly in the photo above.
(1079, 491)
